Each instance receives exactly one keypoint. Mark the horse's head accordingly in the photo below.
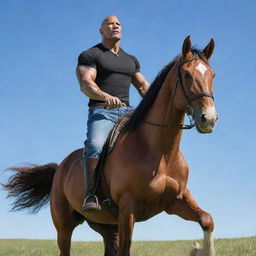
(194, 88)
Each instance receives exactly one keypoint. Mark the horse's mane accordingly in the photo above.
(137, 116)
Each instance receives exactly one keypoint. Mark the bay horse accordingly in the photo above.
(146, 173)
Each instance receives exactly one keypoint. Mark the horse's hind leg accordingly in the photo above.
(65, 223)
(65, 219)
(188, 209)
(64, 241)
(110, 236)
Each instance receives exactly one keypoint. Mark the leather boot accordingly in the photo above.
(91, 201)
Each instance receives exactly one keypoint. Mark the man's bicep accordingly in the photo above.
(85, 73)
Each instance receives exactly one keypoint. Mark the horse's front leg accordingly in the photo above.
(126, 225)
(188, 209)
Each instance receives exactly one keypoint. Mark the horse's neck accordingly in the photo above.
(163, 111)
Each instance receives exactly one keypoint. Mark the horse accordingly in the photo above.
(145, 172)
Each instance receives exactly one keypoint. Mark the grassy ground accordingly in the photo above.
(224, 247)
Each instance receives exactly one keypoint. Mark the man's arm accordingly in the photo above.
(140, 83)
(86, 77)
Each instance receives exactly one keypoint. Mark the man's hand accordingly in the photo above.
(113, 102)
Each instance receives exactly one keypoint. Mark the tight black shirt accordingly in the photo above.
(114, 71)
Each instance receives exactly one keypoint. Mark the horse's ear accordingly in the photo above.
(186, 48)
(208, 50)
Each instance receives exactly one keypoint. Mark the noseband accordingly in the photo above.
(189, 108)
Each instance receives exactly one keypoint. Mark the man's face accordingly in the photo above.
(111, 29)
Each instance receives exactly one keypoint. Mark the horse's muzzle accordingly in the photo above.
(206, 120)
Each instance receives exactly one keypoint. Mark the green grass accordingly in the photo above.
(224, 247)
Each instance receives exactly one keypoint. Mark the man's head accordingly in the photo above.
(111, 29)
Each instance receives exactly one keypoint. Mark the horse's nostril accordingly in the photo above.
(203, 119)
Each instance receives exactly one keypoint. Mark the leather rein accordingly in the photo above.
(189, 108)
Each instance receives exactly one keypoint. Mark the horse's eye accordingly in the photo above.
(188, 76)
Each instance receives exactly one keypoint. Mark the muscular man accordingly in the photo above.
(105, 73)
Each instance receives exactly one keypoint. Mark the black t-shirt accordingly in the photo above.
(114, 71)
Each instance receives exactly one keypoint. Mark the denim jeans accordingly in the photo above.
(100, 122)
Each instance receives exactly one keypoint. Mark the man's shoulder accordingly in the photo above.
(128, 54)
(90, 57)
(94, 50)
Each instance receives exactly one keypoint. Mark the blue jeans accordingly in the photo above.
(100, 122)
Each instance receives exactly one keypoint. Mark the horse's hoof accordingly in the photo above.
(196, 245)
(195, 249)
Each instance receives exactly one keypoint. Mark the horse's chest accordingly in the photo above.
(155, 197)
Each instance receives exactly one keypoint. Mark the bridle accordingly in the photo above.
(189, 108)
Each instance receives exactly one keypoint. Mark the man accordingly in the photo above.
(105, 73)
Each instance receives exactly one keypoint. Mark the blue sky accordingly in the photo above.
(43, 113)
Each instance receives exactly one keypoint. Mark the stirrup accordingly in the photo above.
(92, 204)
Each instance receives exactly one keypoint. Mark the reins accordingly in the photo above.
(182, 126)
(189, 108)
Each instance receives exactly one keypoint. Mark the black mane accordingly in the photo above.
(137, 116)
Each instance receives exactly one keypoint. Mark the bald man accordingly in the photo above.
(105, 73)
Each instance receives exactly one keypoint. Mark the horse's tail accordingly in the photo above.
(30, 186)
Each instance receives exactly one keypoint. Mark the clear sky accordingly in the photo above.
(43, 113)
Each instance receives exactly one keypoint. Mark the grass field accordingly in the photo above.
(224, 247)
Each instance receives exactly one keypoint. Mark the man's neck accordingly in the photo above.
(111, 45)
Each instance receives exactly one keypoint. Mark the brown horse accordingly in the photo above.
(146, 173)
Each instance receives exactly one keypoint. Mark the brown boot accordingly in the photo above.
(91, 201)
